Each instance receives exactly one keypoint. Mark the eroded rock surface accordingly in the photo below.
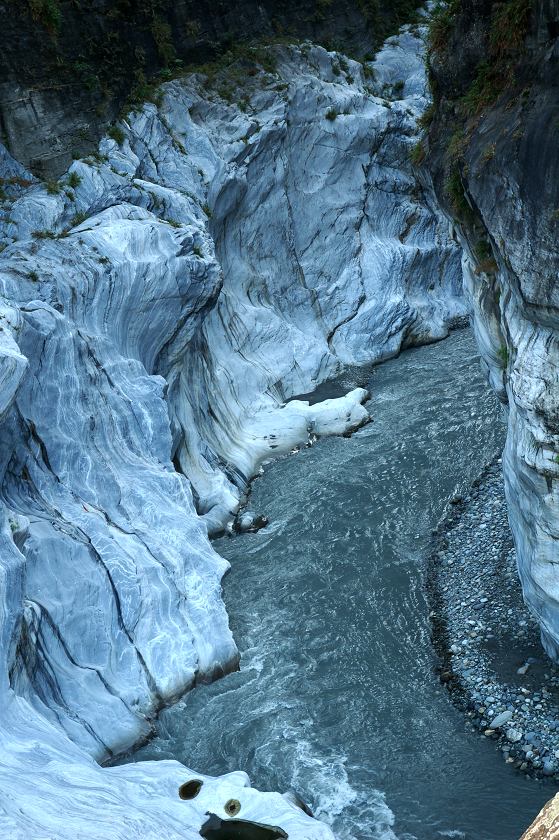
(492, 150)
(161, 306)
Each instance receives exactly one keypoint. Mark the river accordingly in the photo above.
(337, 695)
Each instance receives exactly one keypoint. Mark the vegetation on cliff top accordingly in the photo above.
(462, 93)
(123, 43)
(507, 28)
(85, 61)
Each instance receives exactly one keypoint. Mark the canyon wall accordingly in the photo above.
(492, 152)
(227, 248)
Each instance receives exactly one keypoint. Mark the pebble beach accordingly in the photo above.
(491, 659)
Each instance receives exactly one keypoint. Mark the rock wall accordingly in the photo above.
(163, 305)
(492, 152)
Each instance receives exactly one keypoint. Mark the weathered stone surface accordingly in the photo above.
(161, 311)
(508, 172)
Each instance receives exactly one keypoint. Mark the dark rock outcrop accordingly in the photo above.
(67, 67)
(492, 152)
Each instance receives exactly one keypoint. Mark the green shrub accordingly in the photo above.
(384, 21)
(484, 258)
(483, 250)
(73, 180)
(116, 133)
(509, 26)
(440, 24)
(192, 29)
(418, 153)
(96, 157)
(162, 35)
(331, 114)
(16, 181)
(142, 91)
(484, 90)
(455, 191)
(86, 73)
(46, 12)
(43, 234)
(457, 146)
(489, 153)
(53, 187)
(503, 354)
(426, 117)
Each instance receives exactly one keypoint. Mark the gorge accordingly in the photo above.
(167, 306)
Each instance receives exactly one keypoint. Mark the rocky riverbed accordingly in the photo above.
(489, 643)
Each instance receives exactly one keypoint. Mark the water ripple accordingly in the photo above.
(336, 696)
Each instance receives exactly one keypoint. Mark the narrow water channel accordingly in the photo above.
(336, 696)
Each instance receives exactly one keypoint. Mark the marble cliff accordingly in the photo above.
(491, 148)
(161, 307)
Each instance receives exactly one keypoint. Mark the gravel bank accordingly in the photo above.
(491, 658)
